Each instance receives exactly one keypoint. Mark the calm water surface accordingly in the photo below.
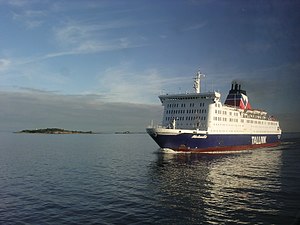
(121, 179)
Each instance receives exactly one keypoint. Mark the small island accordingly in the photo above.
(54, 131)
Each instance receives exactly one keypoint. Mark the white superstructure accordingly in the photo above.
(205, 112)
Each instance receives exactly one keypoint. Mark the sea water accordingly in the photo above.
(122, 179)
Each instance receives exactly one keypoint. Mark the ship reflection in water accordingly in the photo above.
(218, 188)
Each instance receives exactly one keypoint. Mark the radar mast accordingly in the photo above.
(197, 81)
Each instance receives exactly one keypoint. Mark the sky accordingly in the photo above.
(100, 65)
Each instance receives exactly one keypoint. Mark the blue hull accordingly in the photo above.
(215, 142)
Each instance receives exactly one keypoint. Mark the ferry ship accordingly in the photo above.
(199, 122)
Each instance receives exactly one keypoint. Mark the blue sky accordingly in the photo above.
(73, 55)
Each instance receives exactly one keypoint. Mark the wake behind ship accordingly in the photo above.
(199, 122)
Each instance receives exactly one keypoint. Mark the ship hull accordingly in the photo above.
(191, 142)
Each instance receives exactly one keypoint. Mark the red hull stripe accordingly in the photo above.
(228, 148)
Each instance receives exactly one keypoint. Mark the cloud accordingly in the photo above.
(38, 109)
(4, 64)
(30, 18)
(33, 74)
(89, 47)
(18, 3)
(34, 90)
(75, 31)
(88, 37)
(122, 83)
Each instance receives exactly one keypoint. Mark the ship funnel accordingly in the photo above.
(236, 86)
(237, 97)
(197, 81)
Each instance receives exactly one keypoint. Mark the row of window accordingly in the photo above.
(191, 125)
(222, 112)
(182, 118)
(186, 98)
(242, 121)
(182, 111)
(182, 105)
(225, 119)
(255, 116)
(225, 113)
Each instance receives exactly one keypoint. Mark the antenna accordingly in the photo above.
(197, 82)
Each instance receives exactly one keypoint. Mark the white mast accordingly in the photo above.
(197, 82)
